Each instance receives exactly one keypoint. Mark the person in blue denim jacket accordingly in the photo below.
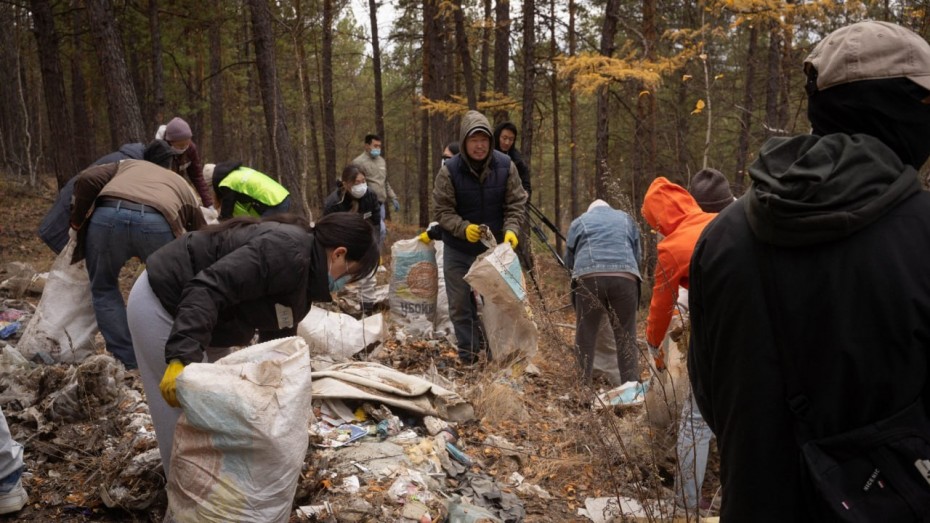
(603, 253)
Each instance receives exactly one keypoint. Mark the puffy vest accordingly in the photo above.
(479, 203)
(256, 185)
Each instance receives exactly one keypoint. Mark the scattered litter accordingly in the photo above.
(462, 512)
(340, 436)
(351, 484)
(8, 328)
(605, 510)
(377, 383)
(630, 394)
(458, 455)
(409, 486)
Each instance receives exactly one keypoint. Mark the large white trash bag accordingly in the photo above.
(64, 325)
(442, 325)
(242, 439)
(414, 282)
(497, 276)
(339, 336)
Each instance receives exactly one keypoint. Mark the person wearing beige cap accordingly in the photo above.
(187, 160)
(810, 299)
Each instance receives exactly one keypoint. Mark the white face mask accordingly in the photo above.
(179, 150)
(359, 190)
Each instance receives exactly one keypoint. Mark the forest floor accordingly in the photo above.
(564, 446)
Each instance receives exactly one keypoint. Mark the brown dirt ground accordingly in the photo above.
(567, 449)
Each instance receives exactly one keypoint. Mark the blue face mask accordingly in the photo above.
(337, 284)
(375, 153)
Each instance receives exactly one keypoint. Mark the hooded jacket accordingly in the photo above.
(467, 192)
(136, 181)
(217, 285)
(672, 211)
(522, 169)
(843, 225)
(55, 224)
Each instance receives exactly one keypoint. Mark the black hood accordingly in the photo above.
(814, 189)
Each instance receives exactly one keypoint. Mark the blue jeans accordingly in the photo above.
(114, 235)
(692, 449)
(463, 311)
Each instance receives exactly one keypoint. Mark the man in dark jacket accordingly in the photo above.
(124, 210)
(834, 238)
(54, 227)
(477, 188)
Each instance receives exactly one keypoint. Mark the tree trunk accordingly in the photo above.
(329, 116)
(14, 148)
(217, 102)
(742, 153)
(485, 51)
(285, 160)
(573, 111)
(83, 123)
(502, 55)
(529, 80)
(376, 66)
(556, 164)
(461, 41)
(122, 104)
(608, 32)
(772, 85)
(423, 164)
(157, 116)
(53, 83)
(314, 129)
(645, 136)
(439, 83)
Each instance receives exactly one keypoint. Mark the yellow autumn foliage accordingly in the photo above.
(592, 71)
(458, 105)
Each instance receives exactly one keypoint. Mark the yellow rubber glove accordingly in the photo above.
(511, 238)
(168, 386)
(473, 233)
(424, 237)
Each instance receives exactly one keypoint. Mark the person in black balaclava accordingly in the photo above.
(810, 296)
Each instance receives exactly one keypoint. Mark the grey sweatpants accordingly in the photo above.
(150, 325)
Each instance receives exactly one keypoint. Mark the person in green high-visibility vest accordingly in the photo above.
(243, 191)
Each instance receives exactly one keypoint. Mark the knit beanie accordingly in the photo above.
(177, 130)
(711, 190)
(598, 203)
(159, 153)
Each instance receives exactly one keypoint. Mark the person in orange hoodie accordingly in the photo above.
(672, 211)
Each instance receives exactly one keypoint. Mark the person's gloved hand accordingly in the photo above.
(396, 205)
(511, 238)
(658, 355)
(424, 237)
(168, 386)
(473, 233)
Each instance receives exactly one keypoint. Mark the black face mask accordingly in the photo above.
(889, 109)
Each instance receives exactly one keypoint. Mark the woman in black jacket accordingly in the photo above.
(215, 288)
(353, 195)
